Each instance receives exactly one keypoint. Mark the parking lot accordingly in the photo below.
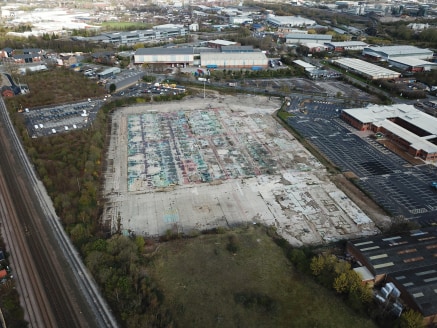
(61, 118)
(402, 189)
(141, 89)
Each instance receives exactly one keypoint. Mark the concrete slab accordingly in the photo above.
(258, 173)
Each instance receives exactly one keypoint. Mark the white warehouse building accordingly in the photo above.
(209, 58)
(302, 38)
(240, 20)
(391, 52)
(289, 21)
(165, 56)
(365, 69)
(234, 60)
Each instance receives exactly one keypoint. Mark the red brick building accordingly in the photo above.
(407, 127)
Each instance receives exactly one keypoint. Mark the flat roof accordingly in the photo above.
(109, 70)
(348, 44)
(412, 61)
(364, 273)
(366, 68)
(314, 45)
(292, 20)
(165, 51)
(414, 140)
(379, 115)
(223, 42)
(257, 55)
(239, 49)
(308, 36)
(376, 113)
(410, 251)
(303, 64)
(399, 50)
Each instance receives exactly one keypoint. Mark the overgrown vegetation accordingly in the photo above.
(12, 311)
(229, 75)
(55, 86)
(119, 266)
(336, 274)
(70, 166)
(242, 278)
(10, 299)
(284, 115)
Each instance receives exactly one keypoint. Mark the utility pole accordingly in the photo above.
(204, 89)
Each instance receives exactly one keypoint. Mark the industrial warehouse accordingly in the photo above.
(410, 129)
(365, 69)
(407, 263)
(222, 57)
(392, 52)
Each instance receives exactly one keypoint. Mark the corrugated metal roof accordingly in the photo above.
(412, 61)
(303, 64)
(348, 44)
(231, 56)
(164, 51)
(399, 50)
(223, 42)
(308, 36)
(366, 68)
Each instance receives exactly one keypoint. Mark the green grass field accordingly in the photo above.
(125, 26)
(205, 285)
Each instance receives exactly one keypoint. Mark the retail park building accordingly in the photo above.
(409, 128)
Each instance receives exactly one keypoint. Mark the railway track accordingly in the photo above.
(33, 295)
(55, 288)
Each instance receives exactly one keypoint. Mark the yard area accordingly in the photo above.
(241, 278)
